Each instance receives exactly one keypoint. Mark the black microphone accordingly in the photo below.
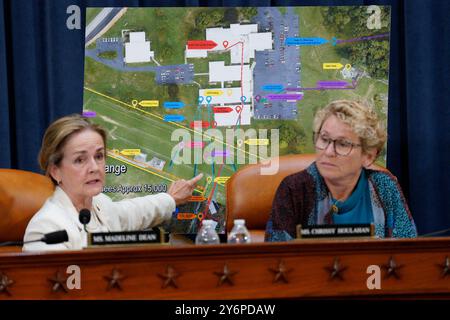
(55, 237)
(49, 238)
(84, 217)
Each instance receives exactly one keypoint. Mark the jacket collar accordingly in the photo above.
(62, 200)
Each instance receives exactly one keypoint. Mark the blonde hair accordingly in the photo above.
(57, 135)
(361, 118)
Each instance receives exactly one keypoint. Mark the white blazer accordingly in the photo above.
(59, 213)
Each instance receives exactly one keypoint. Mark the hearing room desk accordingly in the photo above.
(308, 268)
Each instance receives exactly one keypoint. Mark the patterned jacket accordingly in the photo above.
(303, 198)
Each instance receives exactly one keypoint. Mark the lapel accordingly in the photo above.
(100, 210)
(64, 202)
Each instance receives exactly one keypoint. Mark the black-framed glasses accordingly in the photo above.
(341, 147)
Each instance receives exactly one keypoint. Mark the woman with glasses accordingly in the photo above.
(339, 187)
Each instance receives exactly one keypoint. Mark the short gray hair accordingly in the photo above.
(360, 117)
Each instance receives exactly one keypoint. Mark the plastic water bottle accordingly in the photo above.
(239, 233)
(207, 233)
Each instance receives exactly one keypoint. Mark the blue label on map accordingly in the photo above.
(273, 87)
(305, 41)
(174, 117)
(173, 105)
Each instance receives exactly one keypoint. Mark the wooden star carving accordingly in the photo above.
(59, 282)
(225, 276)
(114, 280)
(280, 273)
(445, 267)
(5, 282)
(169, 277)
(336, 270)
(392, 269)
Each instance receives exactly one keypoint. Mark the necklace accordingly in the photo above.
(334, 207)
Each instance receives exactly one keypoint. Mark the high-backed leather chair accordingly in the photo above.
(250, 194)
(22, 194)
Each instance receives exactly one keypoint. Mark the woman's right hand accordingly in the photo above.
(181, 190)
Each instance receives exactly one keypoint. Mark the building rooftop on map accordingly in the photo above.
(240, 33)
(246, 34)
(138, 50)
(191, 53)
(231, 119)
(156, 163)
(227, 96)
(219, 72)
(142, 157)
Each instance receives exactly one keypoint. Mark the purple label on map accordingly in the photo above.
(289, 96)
(225, 153)
(332, 84)
(89, 114)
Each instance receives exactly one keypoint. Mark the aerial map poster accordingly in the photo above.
(192, 90)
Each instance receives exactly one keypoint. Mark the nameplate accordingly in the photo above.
(335, 231)
(155, 235)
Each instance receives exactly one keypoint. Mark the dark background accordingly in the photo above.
(41, 79)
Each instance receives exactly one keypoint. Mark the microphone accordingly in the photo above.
(49, 238)
(84, 217)
(54, 237)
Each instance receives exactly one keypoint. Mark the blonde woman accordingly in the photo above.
(339, 187)
(73, 155)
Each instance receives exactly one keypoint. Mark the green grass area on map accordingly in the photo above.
(311, 25)
(132, 129)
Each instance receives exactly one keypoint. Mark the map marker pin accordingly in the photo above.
(134, 103)
(225, 44)
(334, 41)
(200, 99)
(238, 109)
(208, 99)
(257, 98)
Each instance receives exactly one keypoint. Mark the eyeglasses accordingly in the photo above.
(341, 147)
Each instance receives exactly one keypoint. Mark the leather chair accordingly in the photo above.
(250, 194)
(22, 194)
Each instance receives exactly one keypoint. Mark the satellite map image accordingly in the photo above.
(184, 91)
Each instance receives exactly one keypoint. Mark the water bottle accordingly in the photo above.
(239, 233)
(207, 233)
